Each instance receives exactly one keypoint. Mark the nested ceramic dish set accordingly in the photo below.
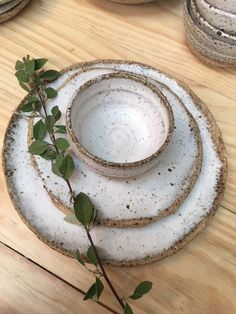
(210, 27)
(10, 8)
(147, 151)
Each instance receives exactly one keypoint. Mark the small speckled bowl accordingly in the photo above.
(220, 19)
(119, 124)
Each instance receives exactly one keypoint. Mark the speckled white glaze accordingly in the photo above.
(225, 5)
(148, 196)
(128, 245)
(220, 19)
(208, 43)
(119, 124)
(212, 57)
(207, 27)
(8, 6)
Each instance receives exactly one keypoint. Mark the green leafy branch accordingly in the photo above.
(34, 80)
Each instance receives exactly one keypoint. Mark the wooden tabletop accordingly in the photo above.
(34, 278)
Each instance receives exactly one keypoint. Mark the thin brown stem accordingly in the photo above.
(103, 270)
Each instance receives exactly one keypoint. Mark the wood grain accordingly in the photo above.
(199, 279)
(26, 288)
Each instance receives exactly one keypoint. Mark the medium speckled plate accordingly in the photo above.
(129, 246)
(138, 200)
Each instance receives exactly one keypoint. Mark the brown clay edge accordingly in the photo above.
(219, 145)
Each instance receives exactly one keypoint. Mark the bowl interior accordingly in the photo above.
(119, 120)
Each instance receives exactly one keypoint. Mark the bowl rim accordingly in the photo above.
(198, 18)
(120, 165)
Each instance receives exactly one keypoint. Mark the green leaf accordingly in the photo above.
(56, 113)
(28, 107)
(39, 131)
(37, 81)
(49, 122)
(38, 147)
(32, 104)
(24, 86)
(19, 65)
(39, 63)
(127, 309)
(62, 144)
(32, 99)
(92, 256)
(22, 76)
(143, 288)
(50, 75)
(67, 167)
(56, 166)
(29, 66)
(51, 92)
(95, 291)
(91, 293)
(79, 258)
(60, 129)
(71, 219)
(49, 154)
(84, 210)
(99, 288)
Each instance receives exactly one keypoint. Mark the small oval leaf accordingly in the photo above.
(49, 154)
(92, 256)
(83, 208)
(19, 65)
(49, 122)
(39, 131)
(99, 288)
(91, 293)
(38, 147)
(67, 167)
(71, 219)
(39, 63)
(62, 144)
(51, 92)
(60, 129)
(127, 309)
(143, 288)
(50, 75)
(22, 76)
(29, 66)
(56, 113)
(79, 258)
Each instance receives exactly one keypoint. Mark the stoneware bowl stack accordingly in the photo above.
(10, 8)
(210, 27)
(146, 150)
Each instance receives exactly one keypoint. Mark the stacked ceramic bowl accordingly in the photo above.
(210, 27)
(10, 8)
(146, 151)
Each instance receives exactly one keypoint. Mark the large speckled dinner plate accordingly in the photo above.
(119, 246)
